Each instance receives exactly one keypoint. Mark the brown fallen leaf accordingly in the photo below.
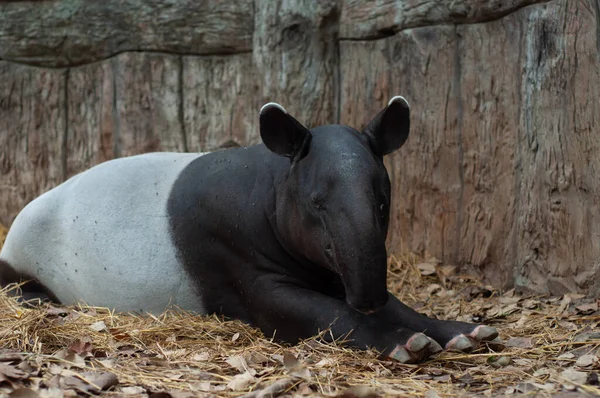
(99, 380)
(520, 342)
(201, 356)
(294, 367)
(60, 311)
(257, 358)
(574, 376)
(82, 346)
(133, 390)
(24, 393)
(12, 372)
(587, 309)
(432, 394)
(274, 390)
(358, 392)
(73, 360)
(241, 381)
(98, 326)
(586, 361)
(427, 268)
(238, 362)
(10, 356)
(289, 360)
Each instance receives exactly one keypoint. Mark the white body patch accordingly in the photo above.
(102, 237)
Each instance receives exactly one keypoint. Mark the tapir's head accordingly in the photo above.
(332, 207)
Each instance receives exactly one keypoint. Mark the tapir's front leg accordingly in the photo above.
(291, 313)
(455, 335)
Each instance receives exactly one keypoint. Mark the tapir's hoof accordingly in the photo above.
(416, 349)
(467, 343)
(484, 333)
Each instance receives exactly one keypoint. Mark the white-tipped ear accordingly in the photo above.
(389, 130)
(400, 99)
(272, 105)
(281, 133)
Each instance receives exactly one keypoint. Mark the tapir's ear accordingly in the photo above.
(389, 130)
(283, 134)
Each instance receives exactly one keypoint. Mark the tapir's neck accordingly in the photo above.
(278, 169)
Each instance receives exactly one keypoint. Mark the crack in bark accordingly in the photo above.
(387, 32)
(459, 122)
(115, 110)
(180, 107)
(65, 137)
(596, 5)
(117, 53)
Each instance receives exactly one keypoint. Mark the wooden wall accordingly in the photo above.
(499, 175)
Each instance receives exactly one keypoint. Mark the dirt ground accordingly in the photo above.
(548, 346)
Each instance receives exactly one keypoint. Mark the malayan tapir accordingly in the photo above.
(288, 235)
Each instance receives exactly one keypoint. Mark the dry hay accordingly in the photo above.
(549, 345)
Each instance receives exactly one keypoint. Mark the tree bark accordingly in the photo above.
(499, 175)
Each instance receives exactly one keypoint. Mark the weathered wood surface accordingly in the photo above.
(32, 134)
(73, 32)
(365, 20)
(499, 175)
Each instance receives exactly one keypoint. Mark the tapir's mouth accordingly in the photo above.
(364, 305)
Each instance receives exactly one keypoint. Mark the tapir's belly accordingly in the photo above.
(102, 237)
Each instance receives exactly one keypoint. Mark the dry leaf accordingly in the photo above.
(434, 287)
(326, 362)
(564, 304)
(257, 358)
(587, 309)
(427, 268)
(133, 390)
(12, 372)
(61, 311)
(509, 300)
(9, 356)
(358, 392)
(241, 381)
(201, 356)
(566, 355)
(304, 389)
(98, 326)
(273, 390)
(294, 367)
(432, 394)
(574, 376)
(74, 360)
(586, 361)
(238, 362)
(289, 360)
(81, 346)
(24, 393)
(235, 337)
(520, 342)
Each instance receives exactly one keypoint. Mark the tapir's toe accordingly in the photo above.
(416, 349)
(484, 333)
(461, 343)
(418, 342)
(467, 343)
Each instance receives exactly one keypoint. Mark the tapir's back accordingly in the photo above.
(103, 236)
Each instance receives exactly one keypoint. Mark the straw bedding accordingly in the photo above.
(548, 346)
